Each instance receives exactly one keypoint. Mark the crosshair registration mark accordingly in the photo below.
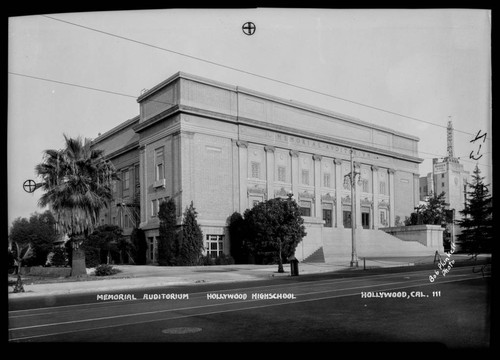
(29, 186)
(249, 28)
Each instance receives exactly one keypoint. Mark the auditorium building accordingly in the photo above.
(225, 148)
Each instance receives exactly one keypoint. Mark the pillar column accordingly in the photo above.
(269, 171)
(375, 190)
(339, 181)
(392, 214)
(317, 186)
(243, 169)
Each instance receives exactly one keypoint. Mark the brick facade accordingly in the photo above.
(225, 148)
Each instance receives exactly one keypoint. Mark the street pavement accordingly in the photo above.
(147, 276)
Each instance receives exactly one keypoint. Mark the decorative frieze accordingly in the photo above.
(305, 195)
(366, 202)
(281, 193)
(384, 205)
(328, 198)
(256, 190)
(346, 200)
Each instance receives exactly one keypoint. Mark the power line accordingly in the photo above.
(71, 84)
(253, 74)
(135, 97)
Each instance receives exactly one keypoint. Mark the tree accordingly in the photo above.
(477, 217)
(191, 239)
(168, 241)
(236, 228)
(140, 246)
(77, 185)
(21, 254)
(431, 213)
(275, 228)
(106, 239)
(39, 231)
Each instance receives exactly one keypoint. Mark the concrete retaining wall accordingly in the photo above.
(46, 271)
(430, 236)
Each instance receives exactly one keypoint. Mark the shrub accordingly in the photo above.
(59, 257)
(105, 270)
(92, 257)
(206, 260)
(224, 259)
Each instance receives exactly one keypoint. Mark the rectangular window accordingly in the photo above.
(126, 222)
(255, 170)
(326, 180)
(383, 217)
(305, 177)
(282, 173)
(382, 188)
(214, 245)
(137, 182)
(151, 248)
(347, 219)
(327, 217)
(364, 185)
(154, 208)
(442, 175)
(114, 220)
(305, 208)
(365, 219)
(126, 179)
(159, 167)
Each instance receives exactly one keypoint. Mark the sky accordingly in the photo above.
(410, 70)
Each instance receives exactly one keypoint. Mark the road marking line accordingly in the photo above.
(216, 312)
(319, 282)
(204, 306)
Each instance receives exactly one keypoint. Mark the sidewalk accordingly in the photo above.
(143, 276)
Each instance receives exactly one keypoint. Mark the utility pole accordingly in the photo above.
(352, 181)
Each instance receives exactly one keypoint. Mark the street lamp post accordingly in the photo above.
(352, 182)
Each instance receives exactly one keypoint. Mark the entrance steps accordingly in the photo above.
(316, 257)
(369, 243)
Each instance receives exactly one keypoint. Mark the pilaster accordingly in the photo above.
(339, 181)
(391, 198)
(269, 171)
(144, 185)
(295, 172)
(317, 186)
(243, 170)
(375, 190)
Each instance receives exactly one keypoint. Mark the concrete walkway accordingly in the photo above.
(142, 276)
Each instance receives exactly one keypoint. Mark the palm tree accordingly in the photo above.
(77, 182)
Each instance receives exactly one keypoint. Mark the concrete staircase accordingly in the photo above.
(316, 257)
(369, 243)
